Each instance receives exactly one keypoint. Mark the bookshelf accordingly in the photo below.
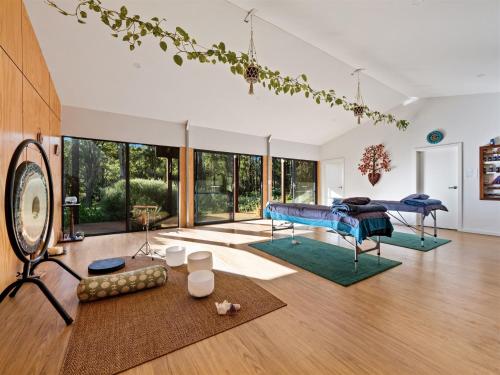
(489, 168)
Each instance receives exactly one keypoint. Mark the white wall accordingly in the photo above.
(471, 119)
(86, 123)
(294, 150)
(220, 140)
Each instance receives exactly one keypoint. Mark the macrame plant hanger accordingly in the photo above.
(359, 106)
(252, 69)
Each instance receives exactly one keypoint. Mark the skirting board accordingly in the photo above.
(479, 231)
(465, 230)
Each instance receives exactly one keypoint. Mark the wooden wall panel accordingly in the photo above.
(54, 102)
(11, 89)
(56, 167)
(34, 66)
(26, 92)
(10, 29)
(35, 115)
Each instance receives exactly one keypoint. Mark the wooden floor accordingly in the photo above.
(437, 313)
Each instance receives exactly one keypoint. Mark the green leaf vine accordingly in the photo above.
(133, 28)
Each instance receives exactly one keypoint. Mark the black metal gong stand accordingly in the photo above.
(28, 276)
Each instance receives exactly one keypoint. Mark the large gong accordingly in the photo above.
(29, 214)
(29, 203)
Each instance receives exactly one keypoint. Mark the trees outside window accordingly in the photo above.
(293, 181)
(109, 178)
(228, 187)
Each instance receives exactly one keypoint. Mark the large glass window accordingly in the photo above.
(228, 187)
(110, 178)
(213, 189)
(154, 181)
(248, 196)
(293, 181)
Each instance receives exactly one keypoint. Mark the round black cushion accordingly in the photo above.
(106, 265)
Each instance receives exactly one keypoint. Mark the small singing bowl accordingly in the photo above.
(199, 260)
(175, 255)
(201, 283)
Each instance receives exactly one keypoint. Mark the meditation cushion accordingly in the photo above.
(97, 287)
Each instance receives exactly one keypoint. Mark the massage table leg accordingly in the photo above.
(422, 233)
(434, 216)
(378, 249)
(356, 251)
(294, 241)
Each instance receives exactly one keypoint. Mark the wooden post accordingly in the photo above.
(265, 182)
(182, 188)
(190, 188)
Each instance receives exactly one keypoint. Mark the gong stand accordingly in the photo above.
(21, 193)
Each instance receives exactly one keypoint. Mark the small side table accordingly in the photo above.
(72, 236)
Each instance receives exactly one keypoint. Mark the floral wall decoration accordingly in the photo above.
(132, 29)
(375, 159)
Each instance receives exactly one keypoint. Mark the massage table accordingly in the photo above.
(360, 227)
(423, 211)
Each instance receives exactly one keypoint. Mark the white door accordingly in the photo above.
(333, 180)
(438, 177)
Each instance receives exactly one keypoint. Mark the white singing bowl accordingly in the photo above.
(175, 255)
(201, 283)
(199, 260)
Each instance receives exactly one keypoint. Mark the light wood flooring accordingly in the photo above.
(437, 313)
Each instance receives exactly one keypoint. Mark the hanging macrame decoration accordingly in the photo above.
(252, 68)
(359, 106)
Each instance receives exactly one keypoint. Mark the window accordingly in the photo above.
(293, 181)
(110, 178)
(228, 187)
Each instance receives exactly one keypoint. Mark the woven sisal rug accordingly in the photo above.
(116, 334)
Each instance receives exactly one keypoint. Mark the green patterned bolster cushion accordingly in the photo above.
(97, 287)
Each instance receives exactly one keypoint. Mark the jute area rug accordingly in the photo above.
(112, 335)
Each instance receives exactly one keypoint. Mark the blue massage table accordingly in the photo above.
(362, 226)
(397, 207)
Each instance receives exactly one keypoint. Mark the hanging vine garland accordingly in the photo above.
(131, 28)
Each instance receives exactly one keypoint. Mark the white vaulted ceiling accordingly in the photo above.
(324, 39)
(421, 48)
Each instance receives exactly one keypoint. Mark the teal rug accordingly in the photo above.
(412, 241)
(332, 262)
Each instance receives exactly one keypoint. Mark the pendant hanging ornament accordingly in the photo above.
(251, 73)
(359, 106)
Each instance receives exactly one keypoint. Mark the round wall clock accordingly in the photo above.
(435, 136)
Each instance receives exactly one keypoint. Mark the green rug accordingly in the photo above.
(332, 262)
(412, 241)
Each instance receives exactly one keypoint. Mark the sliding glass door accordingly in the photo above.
(293, 181)
(303, 188)
(228, 187)
(95, 173)
(248, 195)
(153, 181)
(213, 193)
(110, 178)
